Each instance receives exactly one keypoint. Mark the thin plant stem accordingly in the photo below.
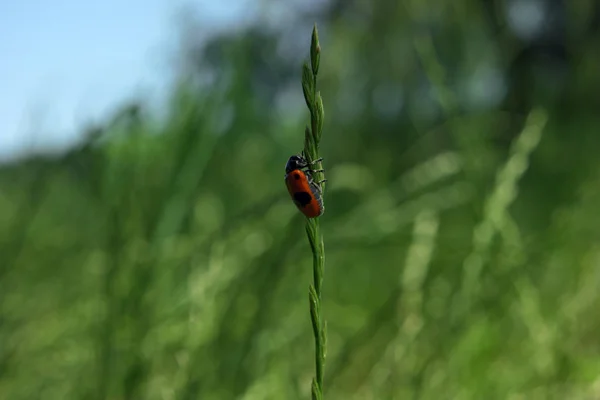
(312, 138)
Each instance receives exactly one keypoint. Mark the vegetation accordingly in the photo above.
(161, 258)
(312, 139)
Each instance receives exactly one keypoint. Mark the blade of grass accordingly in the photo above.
(311, 152)
(496, 212)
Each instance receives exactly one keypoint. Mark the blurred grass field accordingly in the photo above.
(163, 259)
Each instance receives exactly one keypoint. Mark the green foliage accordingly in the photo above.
(162, 260)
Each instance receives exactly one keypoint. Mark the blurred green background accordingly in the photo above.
(161, 258)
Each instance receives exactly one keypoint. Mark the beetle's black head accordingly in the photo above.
(295, 162)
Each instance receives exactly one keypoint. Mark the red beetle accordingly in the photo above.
(305, 192)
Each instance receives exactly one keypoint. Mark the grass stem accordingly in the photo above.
(311, 152)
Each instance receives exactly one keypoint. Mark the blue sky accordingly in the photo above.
(64, 62)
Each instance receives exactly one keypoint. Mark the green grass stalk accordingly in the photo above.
(312, 138)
